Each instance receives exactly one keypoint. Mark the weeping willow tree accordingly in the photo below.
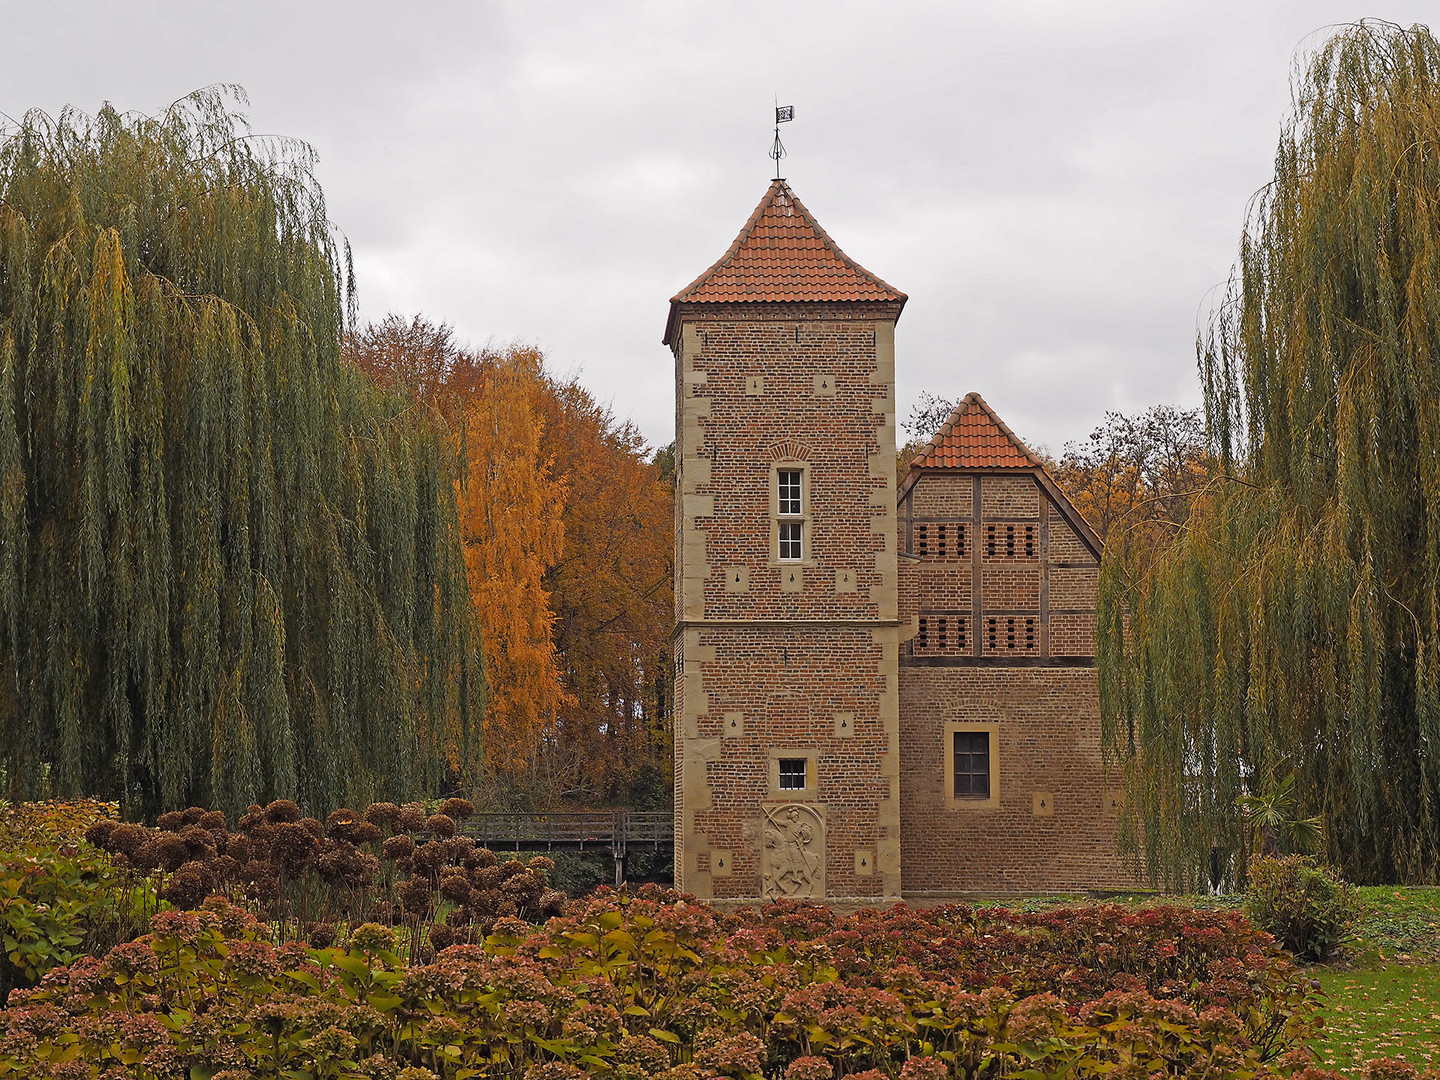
(229, 565)
(1291, 629)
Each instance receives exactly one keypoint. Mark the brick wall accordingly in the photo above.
(1048, 723)
(799, 657)
(772, 688)
(1026, 677)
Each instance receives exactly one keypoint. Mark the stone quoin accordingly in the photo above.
(881, 690)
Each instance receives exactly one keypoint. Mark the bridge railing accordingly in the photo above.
(575, 830)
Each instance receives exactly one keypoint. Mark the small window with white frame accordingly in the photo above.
(790, 509)
(792, 774)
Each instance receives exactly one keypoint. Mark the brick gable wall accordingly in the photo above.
(1026, 675)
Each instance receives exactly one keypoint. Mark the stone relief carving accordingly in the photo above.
(792, 859)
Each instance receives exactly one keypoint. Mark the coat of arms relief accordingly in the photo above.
(792, 861)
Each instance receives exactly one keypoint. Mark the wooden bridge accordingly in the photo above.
(617, 831)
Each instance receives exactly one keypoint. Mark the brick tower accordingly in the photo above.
(787, 630)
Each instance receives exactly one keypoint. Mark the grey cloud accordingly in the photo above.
(1056, 184)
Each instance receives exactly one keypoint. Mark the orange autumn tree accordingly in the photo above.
(511, 523)
(577, 496)
(611, 595)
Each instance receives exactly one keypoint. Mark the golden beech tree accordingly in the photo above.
(611, 595)
(1136, 478)
(567, 526)
(511, 522)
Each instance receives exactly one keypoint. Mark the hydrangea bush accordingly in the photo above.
(656, 985)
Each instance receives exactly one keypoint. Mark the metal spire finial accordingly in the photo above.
(783, 115)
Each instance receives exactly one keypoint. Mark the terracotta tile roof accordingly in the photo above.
(974, 438)
(782, 255)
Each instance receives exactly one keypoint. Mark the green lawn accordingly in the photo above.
(1399, 925)
(1391, 1011)
(1383, 997)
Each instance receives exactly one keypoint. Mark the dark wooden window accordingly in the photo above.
(972, 764)
(792, 773)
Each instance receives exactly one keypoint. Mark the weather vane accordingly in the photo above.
(783, 115)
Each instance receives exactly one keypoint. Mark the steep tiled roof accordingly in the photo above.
(782, 255)
(974, 438)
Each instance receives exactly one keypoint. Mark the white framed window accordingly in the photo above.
(792, 546)
(788, 491)
(793, 774)
(790, 510)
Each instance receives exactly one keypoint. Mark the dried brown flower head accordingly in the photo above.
(459, 809)
(282, 810)
(342, 816)
(397, 847)
(384, 814)
(481, 858)
(99, 833)
(293, 846)
(172, 850)
(365, 832)
(188, 886)
(455, 887)
(146, 856)
(199, 841)
(415, 895)
(126, 837)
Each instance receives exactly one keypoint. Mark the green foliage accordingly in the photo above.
(655, 986)
(1274, 823)
(229, 565)
(59, 896)
(1304, 905)
(1296, 620)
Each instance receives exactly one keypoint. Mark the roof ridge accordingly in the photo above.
(928, 455)
(1004, 427)
(734, 248)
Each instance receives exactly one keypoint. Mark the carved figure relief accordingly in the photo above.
(792, 860)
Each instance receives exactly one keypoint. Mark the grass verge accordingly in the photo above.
(1390, 1011)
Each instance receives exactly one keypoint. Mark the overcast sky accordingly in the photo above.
(1056, 185)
